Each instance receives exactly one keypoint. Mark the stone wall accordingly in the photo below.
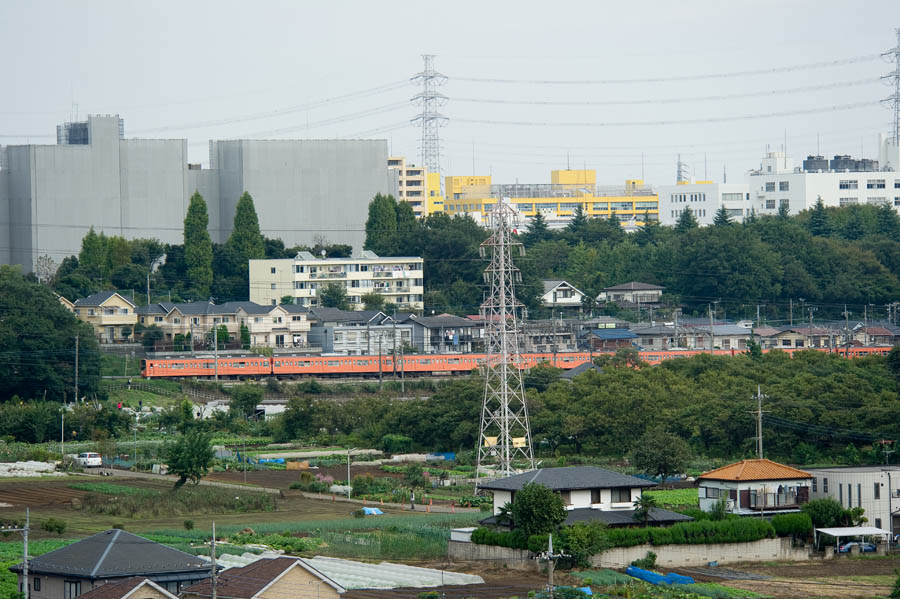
(470, 552)
(673, 556)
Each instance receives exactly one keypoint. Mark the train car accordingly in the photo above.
(204, 366)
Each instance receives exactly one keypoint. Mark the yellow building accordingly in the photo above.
(557, 200)
(111, 315)
(435, 200)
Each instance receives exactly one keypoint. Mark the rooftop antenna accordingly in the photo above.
(505, 435)
(724, 175)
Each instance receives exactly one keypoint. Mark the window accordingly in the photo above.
(600, 205)
(566, 497)
(71, 589)
(815, 483)
(296, 318)
(877, 522)
(272, 270)
(848, 184)
(875, 184)
(841, 493)
(858, 494)
(770, 186)
(897, 184)
(525, 207)
(621, 495)
(877, 493)
(897, 201)
(595, 496)
(786, 204)
(848, 201)
(784, 186)
(770, 204)
(273, 285)
(824, 485)
(157, 319)
(732, 197)
(571, 207)
(878, 201)
(713, 493)
(37, 583)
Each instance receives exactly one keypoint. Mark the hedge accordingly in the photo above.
(790, 525)
(694, 533)
(515, 539)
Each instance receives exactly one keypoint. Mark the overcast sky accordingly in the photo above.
(214, 70)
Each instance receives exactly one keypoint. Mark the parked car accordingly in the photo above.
(863, 547)
(89, 460)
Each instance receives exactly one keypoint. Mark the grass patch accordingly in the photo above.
(675, 497)
(716, 591)
(11, 554)
(602, 578)
(112, 489)
(183, 502)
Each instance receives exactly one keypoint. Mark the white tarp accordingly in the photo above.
(853, 531)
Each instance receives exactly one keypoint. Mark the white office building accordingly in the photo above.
(703, 200)
(398, 279)
(876, 489)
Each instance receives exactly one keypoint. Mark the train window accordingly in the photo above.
(278, 363)
(362, 362)
(305, 363)
(424, 361)
(333, 363)
(265, 362)
(453, 361)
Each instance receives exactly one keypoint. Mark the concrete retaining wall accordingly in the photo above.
(673, 556)
(469, 552)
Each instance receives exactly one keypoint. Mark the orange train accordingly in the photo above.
(245, 365)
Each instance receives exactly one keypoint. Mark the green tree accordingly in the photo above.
(373, 301)
(198, 251)
(381, 226)
(407, 229)
(245, 336)
(538, 510)
(245, 237)
(38, 339)
(643, 507)
(537, 230)
(244, 399)
(334, 295)
(783, 211)
(578, 224)
(824, 513)
(819, 223)
(151, 335)
(887, 222)
(92, 258)
(286, 300)
(686, 221)
(659, 453)
(722, 219)
(190, 457)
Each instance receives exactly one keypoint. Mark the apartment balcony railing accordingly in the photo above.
(327, 275)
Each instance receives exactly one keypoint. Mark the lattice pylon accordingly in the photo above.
(505, 435)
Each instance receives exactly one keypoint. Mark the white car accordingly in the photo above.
(89, 460)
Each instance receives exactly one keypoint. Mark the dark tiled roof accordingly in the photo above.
(581, 368)
(194, 308)
(337, 315)
(118, 590)
(246, 582)
(114, 554)
(613, 334)
(561, 479)
(633, 286)
(97, 299)
(437, 322)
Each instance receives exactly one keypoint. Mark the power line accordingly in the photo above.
(630, 102)
(724, 119)
(746, 73)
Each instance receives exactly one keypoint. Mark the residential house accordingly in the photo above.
(136, 587)
(281, 326)
(724, 336)
(561, 295)
(111, 315)
(755, 486)
(548, 336)
(355, 333)
(610, 339)
(66, 303)
(398, 279)
(572, 373)
(275, 578)
(874, 335)
(109, 557)
(633, 293)
(589, 493)
(660, 336)
(876, 489)
(443, 334)
(801, 337)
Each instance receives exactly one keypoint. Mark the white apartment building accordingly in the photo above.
(876, 489)
(703, 199)
(412, 184)
(398, 279)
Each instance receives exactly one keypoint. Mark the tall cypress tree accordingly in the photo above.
(381, 226)
(722, 219)
(537, 229)
(198, 252)
(245, 237)
(92, 257)
(819, 224)
(686, 221)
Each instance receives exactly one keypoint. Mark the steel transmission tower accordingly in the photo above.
(894, 79)
(430, 119)
(505, 435)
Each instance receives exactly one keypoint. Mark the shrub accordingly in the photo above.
(189, 525)
(792, 525)
(536, 509)
(694, 533)
(54, 525)
(648, 562)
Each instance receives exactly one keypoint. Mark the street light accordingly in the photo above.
(349, 488)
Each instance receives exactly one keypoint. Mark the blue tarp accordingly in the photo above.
(448, 456)
(271, 461)
(372, 511)
(657, 578)
(587, 591)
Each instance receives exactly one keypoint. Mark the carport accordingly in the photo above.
(850, 531)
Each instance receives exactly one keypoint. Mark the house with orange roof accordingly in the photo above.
(757, 487)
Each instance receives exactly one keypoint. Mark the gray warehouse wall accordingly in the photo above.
(304, 188)
(5, 241)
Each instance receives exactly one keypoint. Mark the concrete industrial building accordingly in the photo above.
(399, 279)
(50, 195)
(557, 201)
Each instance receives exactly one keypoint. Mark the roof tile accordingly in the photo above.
(758, 469)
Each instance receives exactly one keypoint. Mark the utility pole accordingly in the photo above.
(759, 427)
(402, 372)
(709, 309)
(216, 349)
(349, 488)
(214, 572)
(758, 324)
(24, 530)
(135, 439)
(148, 285)
(76, 369)
(380, 369)
(792, 311)
(394, 333)
(846, 325)
(553, 324)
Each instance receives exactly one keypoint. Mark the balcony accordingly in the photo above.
(328, 275)
(384, 274)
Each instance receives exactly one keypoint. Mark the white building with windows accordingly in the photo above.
(398, 279)
(876, 489)
(703, 199)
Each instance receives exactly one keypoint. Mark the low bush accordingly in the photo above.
(281, 542)
(181, 502)
(648, 562)
(792, 525)
(54, 525)
(694, 533)
(515, 539)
